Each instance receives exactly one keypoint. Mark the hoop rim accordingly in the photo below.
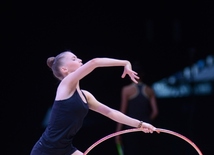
(140, 129)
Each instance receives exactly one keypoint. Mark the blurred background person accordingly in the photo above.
(138, 100)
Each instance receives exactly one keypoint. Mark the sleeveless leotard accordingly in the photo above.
(139, 106)
(66, 119)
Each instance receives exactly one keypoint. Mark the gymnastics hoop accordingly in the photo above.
(140, 129)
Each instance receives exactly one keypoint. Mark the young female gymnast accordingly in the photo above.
(71, 104)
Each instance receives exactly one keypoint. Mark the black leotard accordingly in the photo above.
(139, 107)
(65, 121)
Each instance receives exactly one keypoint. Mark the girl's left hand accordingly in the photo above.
(132, 74)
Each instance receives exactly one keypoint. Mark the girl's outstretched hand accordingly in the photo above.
(148, 128)
(132, 74)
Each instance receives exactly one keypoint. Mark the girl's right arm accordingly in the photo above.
(89, 66)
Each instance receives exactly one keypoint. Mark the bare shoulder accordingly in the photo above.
(149, 90)
(87, 94)
(129, 90)
(128, 87)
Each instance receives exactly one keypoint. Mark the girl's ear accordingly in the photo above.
(64, 69)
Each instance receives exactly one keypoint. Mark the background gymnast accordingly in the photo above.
(138, 101)
(71, 104)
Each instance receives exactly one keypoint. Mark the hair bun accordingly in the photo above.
(50, 61)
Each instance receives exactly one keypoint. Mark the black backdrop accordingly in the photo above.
(164, 36)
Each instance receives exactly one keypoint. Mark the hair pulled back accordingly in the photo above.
(50, 61)
(54, 63)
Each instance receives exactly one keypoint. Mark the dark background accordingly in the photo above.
(165, 36)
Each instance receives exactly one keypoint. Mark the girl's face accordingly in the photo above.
(71, 62)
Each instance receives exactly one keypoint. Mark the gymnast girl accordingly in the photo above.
(71, 103)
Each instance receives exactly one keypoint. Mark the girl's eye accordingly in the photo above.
(74, 58)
